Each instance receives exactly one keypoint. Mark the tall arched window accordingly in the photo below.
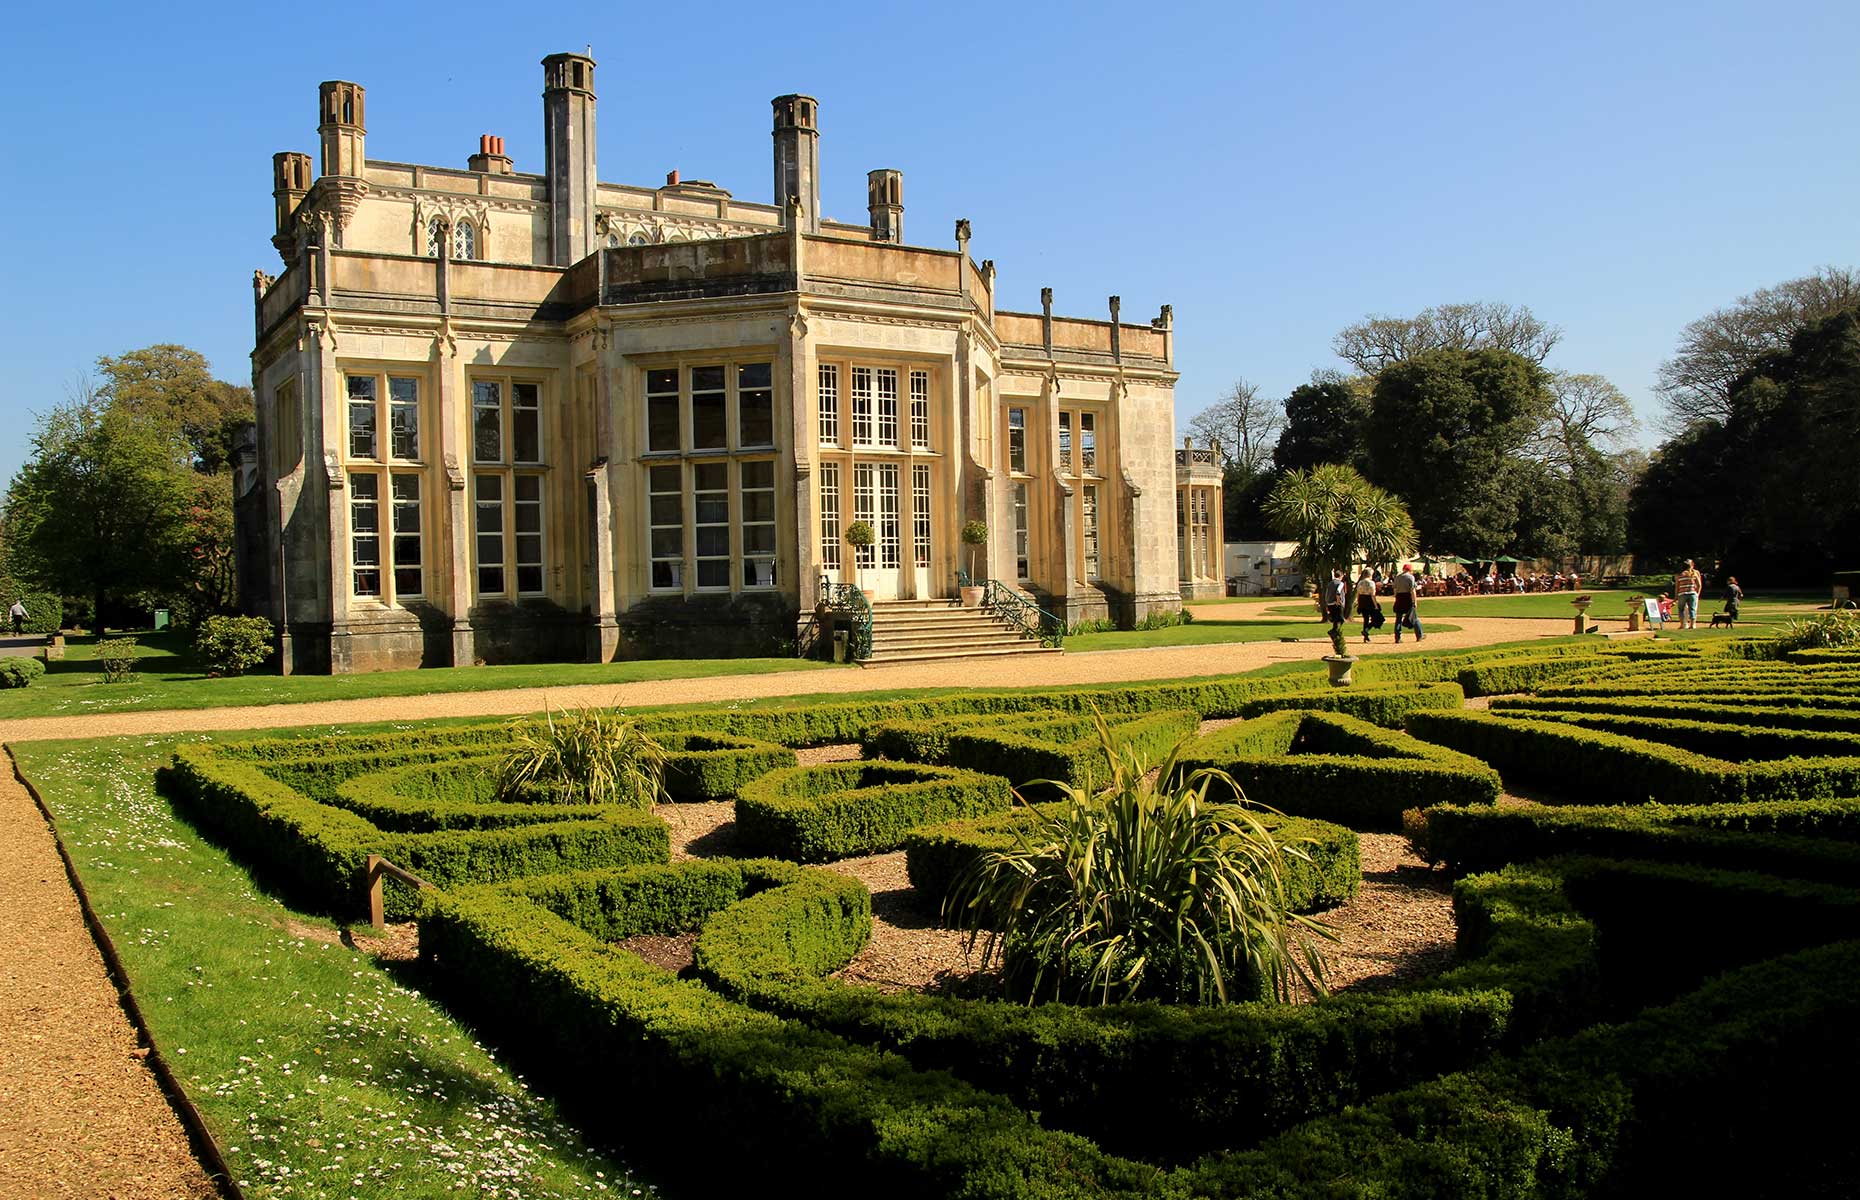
(435, 235)
(464, 241)
(638, 239)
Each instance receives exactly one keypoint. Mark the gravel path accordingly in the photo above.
(1105, 666)
(80, 1113)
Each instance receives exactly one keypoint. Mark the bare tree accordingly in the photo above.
(1718, 348)
(1379, 341)
(1246, 426)
(1588, 415)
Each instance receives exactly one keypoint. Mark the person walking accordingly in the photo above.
(1407, 591)
(1366, 605)
(1686, 586)
(1334, 589)
(1733, 600)
(20, 616)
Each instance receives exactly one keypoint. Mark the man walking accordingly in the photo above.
(20, 617)
(1406, 590)
(1686, 586)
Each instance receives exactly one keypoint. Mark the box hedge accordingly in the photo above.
(836, 810)
(1832, 720)
(1335, 768)
(1035, 755)
(317, 850)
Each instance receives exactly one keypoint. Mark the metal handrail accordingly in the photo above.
(1023, 613)
(844, 598)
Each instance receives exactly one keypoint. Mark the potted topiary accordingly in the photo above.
(975, 534)
(859, 535)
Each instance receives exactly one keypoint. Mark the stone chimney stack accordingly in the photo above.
(568, 155)
(490, 159)
(342, 127)
(797, 157)
(884, 192)
(290, 180)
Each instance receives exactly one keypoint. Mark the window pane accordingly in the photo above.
(665, 510)
(755, 405)
(526, 422)
(758, 474)
(1017, 440)
(662, 422)
(362, 417)
(662, 382)
(829, 516)
(529, 579)
(920, 409)
(665, 479)
(887, 407)
(365, 534)
(711, 477)
(712, 540)
(487, 422)
(666, 531)
(489, 514)
(668, 543)
(707, 379)
(708, 427)
(713, 572)
(758, 539)
(713, 508)
(404, 418)
(862, 406)
(758, 506)
(829, 404)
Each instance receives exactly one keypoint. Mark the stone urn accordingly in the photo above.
(972, 596)
(1582, 612)
(1340, 666)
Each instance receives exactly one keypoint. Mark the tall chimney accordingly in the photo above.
(568, 155)
(342, 127)
(490, 159)
(884, 192)
(797, 157)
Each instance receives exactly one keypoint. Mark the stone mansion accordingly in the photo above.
(537, 417)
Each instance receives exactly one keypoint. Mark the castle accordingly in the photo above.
(538, 417)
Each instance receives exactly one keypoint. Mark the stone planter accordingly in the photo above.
(1340, 667)
(972, 596)
(1582, 613)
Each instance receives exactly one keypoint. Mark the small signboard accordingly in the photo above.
(1653, 610)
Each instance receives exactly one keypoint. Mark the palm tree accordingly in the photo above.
(1336, 516)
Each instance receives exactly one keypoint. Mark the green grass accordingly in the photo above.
(320, 1073)
(1205, 632)
(168, 678)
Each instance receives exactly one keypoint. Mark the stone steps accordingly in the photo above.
(934, 630)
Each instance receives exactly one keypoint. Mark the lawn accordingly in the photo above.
(167, 677)
(320, 1071)
(1207, 632)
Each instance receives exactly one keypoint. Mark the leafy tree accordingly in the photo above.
(98, 510)
(1444, 429)
(174, 384)
(1336, 517)
(1245, 426)
(1587, 414)
(1378, 342)
(1720, 348)
(1243, 499)
(1770, 489)
(1325, 422)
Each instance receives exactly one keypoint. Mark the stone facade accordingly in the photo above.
(535, 417)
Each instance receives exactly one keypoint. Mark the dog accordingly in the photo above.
(1723, 619)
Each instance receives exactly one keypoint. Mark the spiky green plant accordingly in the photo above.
(1823, 631)
(1140, 889)
(582, 756)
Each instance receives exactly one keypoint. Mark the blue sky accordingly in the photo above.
(1274, 171)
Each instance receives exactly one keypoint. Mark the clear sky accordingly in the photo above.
(1273, 171)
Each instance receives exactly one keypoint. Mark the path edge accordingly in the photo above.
(205, 1146)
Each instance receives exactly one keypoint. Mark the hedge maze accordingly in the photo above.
(1654, 990)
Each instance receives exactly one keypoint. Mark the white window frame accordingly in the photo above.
(920, 410)
(365, 496)
(407, 533)
(862, 400)
(886, 380)
(830, 530)
(920, 514)
(827, 388)
(656, 473)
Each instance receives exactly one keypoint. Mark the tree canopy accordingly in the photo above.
(1771, 488)
(128, 494)
(1336, 517)
(1244, 424)
(1446, 429)
(1378, 342)
(1325, 422)
(1721, 347)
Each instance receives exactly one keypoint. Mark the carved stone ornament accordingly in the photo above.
(455, 478)
(332, 470)
(797, 326)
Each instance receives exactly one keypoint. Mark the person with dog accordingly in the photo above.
(1733, 603)
(1407, 591)
(1686, 586)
